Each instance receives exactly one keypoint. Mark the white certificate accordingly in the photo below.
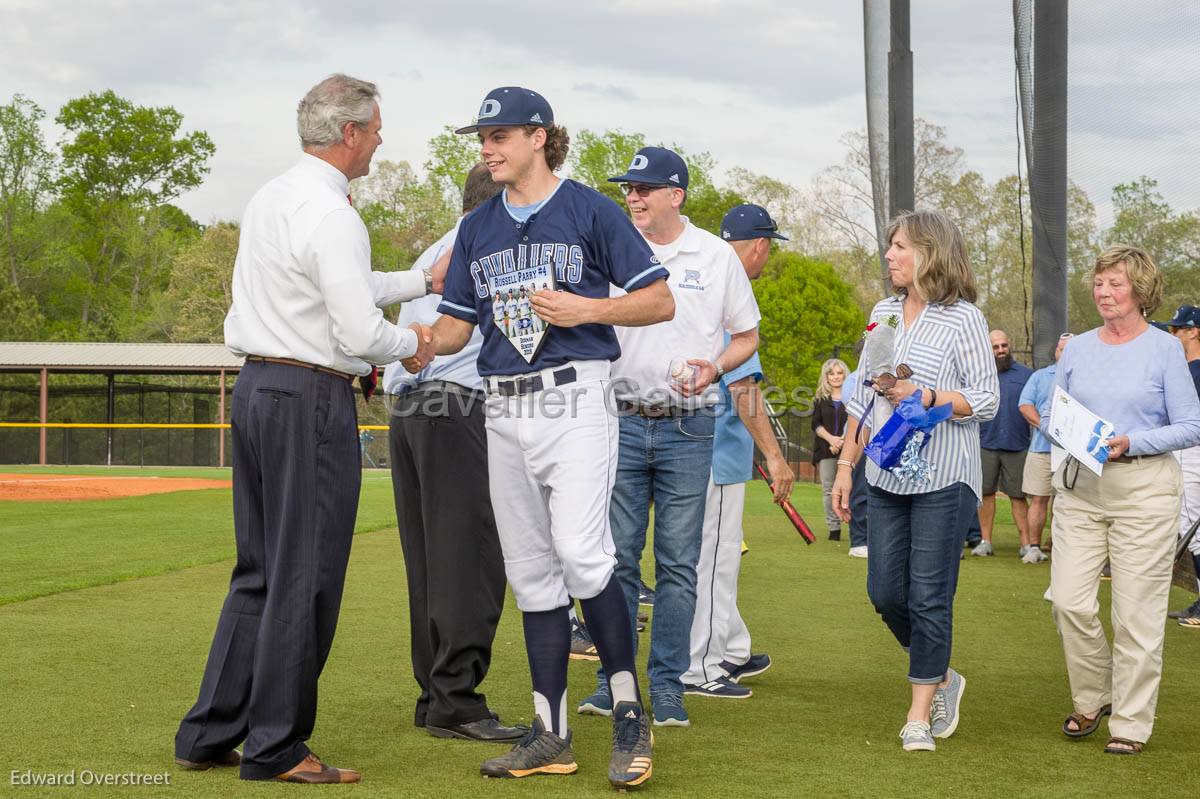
(1079, 431)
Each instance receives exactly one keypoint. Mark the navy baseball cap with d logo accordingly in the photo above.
(655, 166)
(749, 221)
(1186, 316)
(511, 105)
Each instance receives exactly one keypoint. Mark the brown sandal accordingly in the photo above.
(1084, 726)
(1123, 746)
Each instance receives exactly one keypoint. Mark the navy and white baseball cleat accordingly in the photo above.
(753, 667)
(720, 688)
(539, 752)
(631, 761)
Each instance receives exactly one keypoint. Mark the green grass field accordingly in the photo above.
(109, 607)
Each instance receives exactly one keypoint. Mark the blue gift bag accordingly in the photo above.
(887, 447)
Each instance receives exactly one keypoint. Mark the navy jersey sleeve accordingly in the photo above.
(458, 298)
(624, 255)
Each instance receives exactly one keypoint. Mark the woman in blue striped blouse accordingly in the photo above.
(916, 529)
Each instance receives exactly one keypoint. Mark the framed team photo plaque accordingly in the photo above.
(512, 306)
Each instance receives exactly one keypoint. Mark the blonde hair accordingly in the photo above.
(941, 271)
(824, 390)
(1144, 277)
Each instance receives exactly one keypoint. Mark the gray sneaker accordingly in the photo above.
(1033, 554)
(983, 549)
(943, 713)
(539, 752)
(916, 737)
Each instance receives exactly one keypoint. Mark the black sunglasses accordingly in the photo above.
(642, 190)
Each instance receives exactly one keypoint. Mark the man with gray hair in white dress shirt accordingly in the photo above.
(306, 317)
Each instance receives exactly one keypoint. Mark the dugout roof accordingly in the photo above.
(116, 358)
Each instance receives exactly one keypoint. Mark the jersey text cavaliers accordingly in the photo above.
(567, 260)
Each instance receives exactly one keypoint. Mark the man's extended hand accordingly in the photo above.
(438, 271)
(425, 353)
(562, 308)
(781, 479)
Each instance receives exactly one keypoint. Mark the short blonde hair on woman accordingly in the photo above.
(824, 390)
(1144, 277)
(941, 271)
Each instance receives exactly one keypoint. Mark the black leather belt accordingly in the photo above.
(528, 385)
(442, 387)
(651, 411)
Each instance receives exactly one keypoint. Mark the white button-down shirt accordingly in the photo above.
(458, 368)
(712, 296)
(302, 282)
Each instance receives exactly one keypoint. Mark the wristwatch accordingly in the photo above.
(720, 370)
(429, 282)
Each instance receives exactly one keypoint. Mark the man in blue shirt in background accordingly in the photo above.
(1036, 482)
(720, 641)
(1003, 441)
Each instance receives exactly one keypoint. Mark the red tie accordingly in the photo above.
(349, 199)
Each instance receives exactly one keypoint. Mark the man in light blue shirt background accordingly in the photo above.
(1036, 480)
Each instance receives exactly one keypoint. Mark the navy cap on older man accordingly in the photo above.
(749, 221)
(655, 166)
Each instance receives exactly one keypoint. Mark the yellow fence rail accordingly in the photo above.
(148, 426)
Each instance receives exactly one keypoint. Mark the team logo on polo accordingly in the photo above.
(692, 279)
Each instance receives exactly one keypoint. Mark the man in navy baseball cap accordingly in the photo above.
(749, 228)
(1185, 316)
(749, 221)
(509, 106)
(655, 166)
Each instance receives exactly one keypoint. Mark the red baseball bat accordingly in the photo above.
(793, 515)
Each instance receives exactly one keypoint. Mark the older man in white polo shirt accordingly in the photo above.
(306, 317)
(666, 383)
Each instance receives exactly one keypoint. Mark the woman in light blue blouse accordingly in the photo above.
(1135, 377)
(917, 528)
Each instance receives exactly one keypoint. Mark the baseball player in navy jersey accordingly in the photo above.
(666, 383)
(552, 440)
(720, 640)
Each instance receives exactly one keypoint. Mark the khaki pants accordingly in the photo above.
(1128, 516)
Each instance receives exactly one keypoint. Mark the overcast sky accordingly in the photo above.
(769, 86)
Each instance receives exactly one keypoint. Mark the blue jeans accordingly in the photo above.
(858, 504)
(912, 572)
(666, 460)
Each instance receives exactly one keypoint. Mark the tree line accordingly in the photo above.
(93, 247)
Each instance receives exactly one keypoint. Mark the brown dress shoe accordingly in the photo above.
(230, 758)
(311, 771)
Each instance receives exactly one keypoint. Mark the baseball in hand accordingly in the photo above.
(681, 372)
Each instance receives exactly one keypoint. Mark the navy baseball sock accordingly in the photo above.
(612, 633)
(1196, 564)
(548, 644)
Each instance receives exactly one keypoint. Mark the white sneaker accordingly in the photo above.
(983, 549)
(917, 737)
(858, 552)
(1021, 552)
(1033, 555)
